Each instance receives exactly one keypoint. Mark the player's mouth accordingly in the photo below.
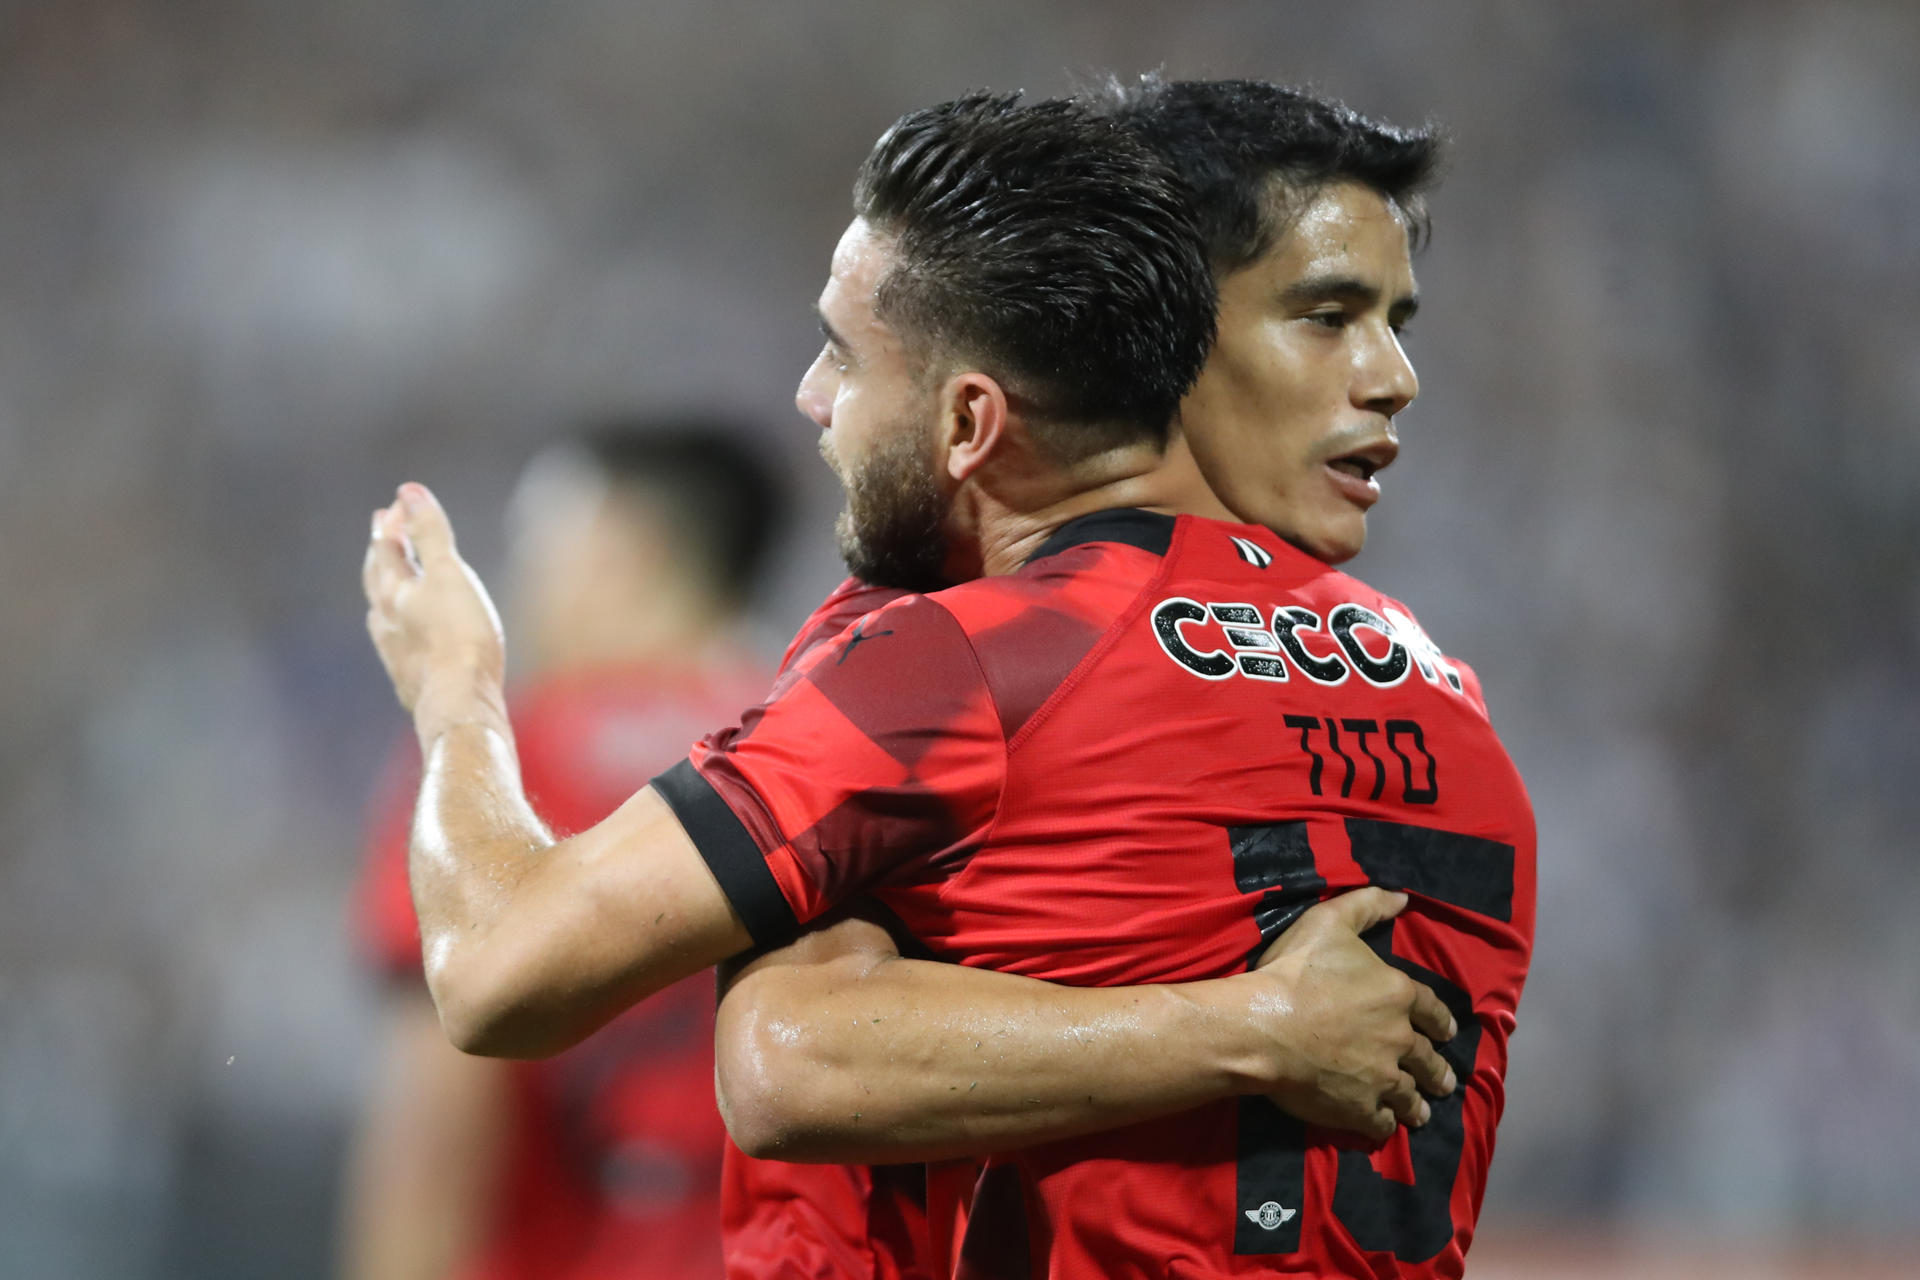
(1353, 472)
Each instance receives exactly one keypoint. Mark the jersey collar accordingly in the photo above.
(1147, 530)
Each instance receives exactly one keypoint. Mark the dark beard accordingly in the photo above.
(892, 532)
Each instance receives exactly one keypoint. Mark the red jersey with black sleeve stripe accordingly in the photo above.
(781, 1221)
(1137, 760)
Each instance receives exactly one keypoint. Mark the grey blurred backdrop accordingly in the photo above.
(260, 261)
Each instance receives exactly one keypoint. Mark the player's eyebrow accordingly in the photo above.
(1349, 290)
(832, 335)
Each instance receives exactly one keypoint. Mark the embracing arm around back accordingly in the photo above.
(837, 1048)
(530, 943)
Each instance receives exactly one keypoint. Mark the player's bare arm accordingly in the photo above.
(837, 1048)
(529, 943)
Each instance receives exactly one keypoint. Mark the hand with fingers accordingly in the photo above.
(1354, 1036)
(431, 620)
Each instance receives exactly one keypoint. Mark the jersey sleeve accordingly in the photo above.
(880, 754)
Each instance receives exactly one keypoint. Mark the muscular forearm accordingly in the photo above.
(895, 1059)
(530, 943)
(475, 839)
(837, 1049)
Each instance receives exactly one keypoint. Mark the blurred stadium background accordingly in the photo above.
(259, 261)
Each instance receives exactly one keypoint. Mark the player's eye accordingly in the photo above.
(1328, 319)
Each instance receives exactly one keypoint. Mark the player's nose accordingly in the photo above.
(1385, 381)
(813, 397)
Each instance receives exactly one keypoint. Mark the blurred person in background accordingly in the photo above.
(633, 550)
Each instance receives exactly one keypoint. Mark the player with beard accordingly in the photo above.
(1013, 501)
(838, 1025)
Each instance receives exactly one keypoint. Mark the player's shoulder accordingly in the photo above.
(1403, 623)
(1238, 573)
(1019, 633)
(903, 632)
(852, 600)
(1029, 630)
(1087, 570)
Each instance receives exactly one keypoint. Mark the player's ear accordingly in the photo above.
(973, 422)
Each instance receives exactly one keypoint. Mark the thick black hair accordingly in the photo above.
(724, 504)
(1047, 243)
(1252, 153)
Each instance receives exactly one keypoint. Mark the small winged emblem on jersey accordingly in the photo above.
(1257, 556)
(1270, 1215)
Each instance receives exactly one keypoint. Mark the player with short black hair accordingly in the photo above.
(1284, 185)
(1046, 242)
(530, 980)
(1049, 243)
(1251, 152)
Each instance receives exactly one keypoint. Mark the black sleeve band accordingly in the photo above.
(730, 853)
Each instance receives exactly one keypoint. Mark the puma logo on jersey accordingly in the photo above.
(1270, 1216)
(1260, 647)
(858, 637)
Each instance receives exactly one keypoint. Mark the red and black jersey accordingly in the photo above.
(1137, 760)
(612, 1161)
(782, 1221)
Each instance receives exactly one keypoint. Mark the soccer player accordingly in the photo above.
(633, 547)
(835, 1048)
(907, 783)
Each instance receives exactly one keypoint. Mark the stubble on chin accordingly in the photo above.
(891, 532)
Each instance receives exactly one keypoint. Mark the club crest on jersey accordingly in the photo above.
(1270, 1216)
(1382, 648)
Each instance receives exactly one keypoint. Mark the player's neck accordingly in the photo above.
(1176, 486)
(1006, 534)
